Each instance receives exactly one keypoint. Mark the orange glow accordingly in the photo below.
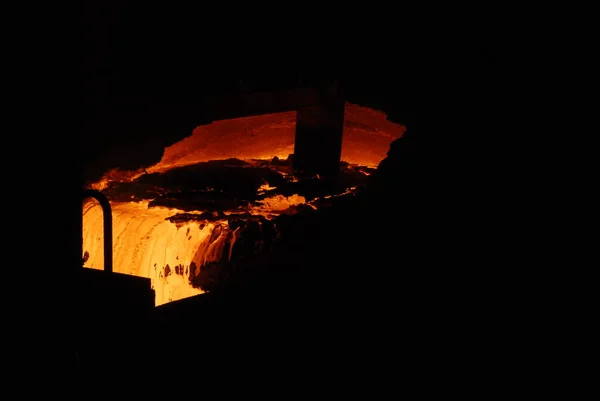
(147, 244)
(143, 244)
(367, 138)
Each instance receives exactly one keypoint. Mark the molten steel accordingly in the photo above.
(147, 242)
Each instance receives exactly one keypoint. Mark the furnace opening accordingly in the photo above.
(214, 208)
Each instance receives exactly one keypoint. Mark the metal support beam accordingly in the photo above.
(319, 129)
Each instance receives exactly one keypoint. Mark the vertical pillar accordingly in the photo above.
(319, 129)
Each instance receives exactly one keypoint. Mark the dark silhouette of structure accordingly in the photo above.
(108, 303)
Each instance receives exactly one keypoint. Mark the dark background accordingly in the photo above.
(144, 68)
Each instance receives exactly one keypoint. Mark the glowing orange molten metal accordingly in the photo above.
(367, 137)
(145, 242)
